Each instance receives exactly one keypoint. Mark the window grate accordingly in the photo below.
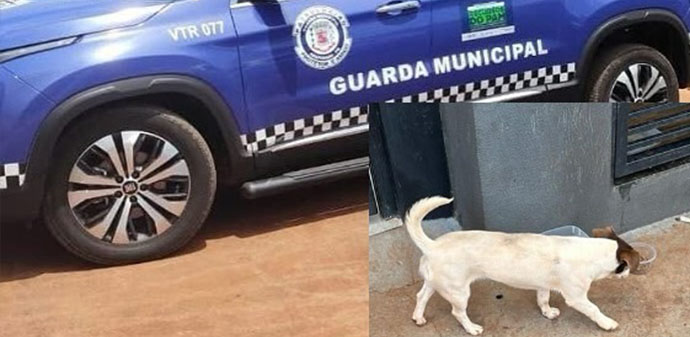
(648, 136)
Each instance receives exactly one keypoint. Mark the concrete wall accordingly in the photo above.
(393, 257)
(529, 167)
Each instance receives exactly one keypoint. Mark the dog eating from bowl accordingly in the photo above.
(538, 262)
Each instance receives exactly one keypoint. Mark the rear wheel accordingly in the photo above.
(129, 184)
(633, 73)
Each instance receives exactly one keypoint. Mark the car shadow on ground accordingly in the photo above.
(28, 251)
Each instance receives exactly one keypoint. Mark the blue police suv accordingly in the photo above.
(118, 119)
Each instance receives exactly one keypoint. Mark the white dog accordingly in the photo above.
(527, 261)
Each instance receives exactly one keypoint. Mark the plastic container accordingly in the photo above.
(647, 256)
(569, 230)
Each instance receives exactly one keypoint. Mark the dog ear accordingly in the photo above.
(625, 254)
(606, 232)
(630, 257)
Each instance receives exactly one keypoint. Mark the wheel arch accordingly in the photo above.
(663, 20)
(172, 91)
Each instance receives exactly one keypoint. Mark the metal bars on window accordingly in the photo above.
(647, 136)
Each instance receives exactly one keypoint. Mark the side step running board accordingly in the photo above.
(306, 177)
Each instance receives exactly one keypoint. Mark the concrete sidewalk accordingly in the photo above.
(656, 304)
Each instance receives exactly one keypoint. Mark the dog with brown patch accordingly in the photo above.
(543, 263)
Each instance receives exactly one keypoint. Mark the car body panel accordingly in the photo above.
(30, 22)
(139, 51)
(297, 90)
(563, 27)
(17, 127)
(246, 53)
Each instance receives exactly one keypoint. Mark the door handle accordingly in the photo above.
(397, 7)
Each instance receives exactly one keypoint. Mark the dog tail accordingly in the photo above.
(413, 220)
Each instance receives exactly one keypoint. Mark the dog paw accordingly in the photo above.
(608, 324)
(551, 313)
(474, 329)
(419, 320)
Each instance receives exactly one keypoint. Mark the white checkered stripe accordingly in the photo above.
(12, 175)
(499, 85)
(284, 132)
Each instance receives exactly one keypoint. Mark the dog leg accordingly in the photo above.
(581, 303)
(543, 303)
(458, 298)
(423, 297)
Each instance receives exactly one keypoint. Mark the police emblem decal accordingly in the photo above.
(321, 37)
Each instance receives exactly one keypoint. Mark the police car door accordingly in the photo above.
(310, 66)
(500, 49)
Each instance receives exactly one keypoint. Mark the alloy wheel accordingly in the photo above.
(640, 82)
(128, 187)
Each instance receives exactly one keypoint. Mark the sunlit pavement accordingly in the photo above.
(290, 265)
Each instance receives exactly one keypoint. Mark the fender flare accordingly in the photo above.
(629, 19)
(62, 115)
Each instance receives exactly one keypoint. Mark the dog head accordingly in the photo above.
(628, 258)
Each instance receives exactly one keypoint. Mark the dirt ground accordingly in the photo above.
(685, 95)
(291, 265)
(653, 305)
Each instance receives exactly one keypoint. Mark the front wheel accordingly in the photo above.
(129, 184)
(632, 73)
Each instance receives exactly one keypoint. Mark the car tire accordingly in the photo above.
(613, 68)
(166, 204)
